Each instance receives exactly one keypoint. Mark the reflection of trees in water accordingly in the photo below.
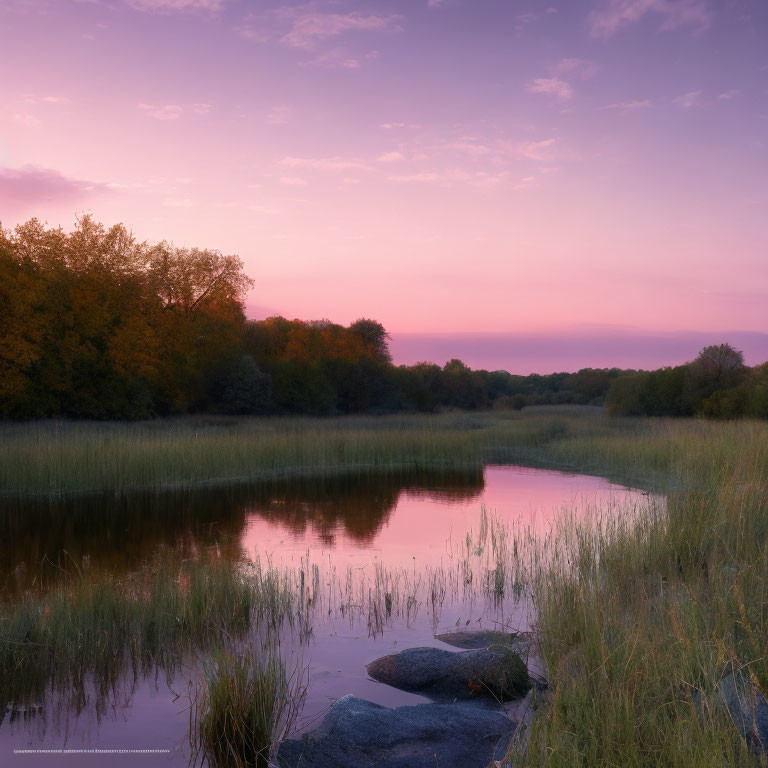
(355, 507)
(44, 540)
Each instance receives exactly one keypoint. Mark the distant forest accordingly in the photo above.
(94, 324)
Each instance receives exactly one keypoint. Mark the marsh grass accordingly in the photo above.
(639, 617)
(92, 633)
(243, 708)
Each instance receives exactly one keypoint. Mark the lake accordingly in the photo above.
(357, 537)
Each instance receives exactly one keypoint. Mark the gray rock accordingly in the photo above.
(748, 709)
(448, 675)
(358, 734)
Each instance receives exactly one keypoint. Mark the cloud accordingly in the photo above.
(390, 157)
(579, 67)
(169, 6)
(687, 100)
(336, 58)
(728, 95)
(535, 150)
(617, 14)
(626, 107)
(551, 86)
(33, 99)
(29, 186)
(397, 126)
(25, 118)
(178, 202)
(166, 112)
(324, 163)
(452, 176)
(293, 181)
(468, 147)
(201, 108)
(309, 27)
(279, 115)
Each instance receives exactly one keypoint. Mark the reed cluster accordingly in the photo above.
(91, 633)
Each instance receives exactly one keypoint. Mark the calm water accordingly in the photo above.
(354, 529)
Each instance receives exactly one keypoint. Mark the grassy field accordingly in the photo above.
(638, 619)
(71, 457)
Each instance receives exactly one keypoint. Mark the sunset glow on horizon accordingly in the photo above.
(443, 166)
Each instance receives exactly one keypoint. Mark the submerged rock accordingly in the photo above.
(358, 734)
(447, 675)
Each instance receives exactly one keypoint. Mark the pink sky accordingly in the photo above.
(444, 166)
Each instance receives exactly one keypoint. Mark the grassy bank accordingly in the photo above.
(640, 621)
(41, 458)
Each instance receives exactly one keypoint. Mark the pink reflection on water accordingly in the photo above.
(428, 525)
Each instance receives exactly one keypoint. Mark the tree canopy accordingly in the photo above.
(96, 324)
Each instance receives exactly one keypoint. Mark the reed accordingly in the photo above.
(94, 632)
(243, 708)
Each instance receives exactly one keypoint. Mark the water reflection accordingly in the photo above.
(44, 540)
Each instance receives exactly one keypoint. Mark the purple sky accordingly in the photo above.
(449, 167)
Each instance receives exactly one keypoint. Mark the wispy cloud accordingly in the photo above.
(29, 187)
(166, 112)
(551, 86)
(390, 157)
(35, 99)
(309, 26)
(581, 68)
(338, 58)
(617, 14)
(452, 177)
(627, 107)
(169, 6)
(557, 85)
(468, 146)
(535, 150)
(174, 111)
(728, 95)
(279, 115)
(687, 100)
(324, 163)
(293, 181)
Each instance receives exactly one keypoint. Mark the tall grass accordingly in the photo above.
(244, 707)
(93, 632)
(639, 619)
(66, 457)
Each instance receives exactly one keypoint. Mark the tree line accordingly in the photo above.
(716, 384)
(95, 324)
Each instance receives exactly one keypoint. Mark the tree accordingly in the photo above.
(375, 338)
(245, 389)
(719, 366)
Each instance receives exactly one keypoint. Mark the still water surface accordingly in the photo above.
(357, 526)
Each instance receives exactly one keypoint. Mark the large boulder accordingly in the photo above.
(358, 734)
(497, 673)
